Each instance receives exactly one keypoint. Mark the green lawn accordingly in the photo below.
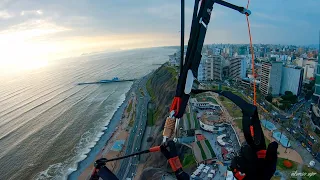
(210, 148)
(203, 154)
(267, 141)
(281, 167)
(233, 110)
(276, 178)
(212, 100)
(239, 123)
(196, 122)
(188, 160)
(240, 95)
(207, 99)
(226, 88)
(313, 173)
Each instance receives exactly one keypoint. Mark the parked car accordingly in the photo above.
(311, 137)
(308, 149)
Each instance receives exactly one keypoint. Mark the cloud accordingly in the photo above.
(4, 3)
(31, 12)
(31, 39)
(30, 29)
(5, 15)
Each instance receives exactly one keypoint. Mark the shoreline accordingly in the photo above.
(120, 133)
(104, 139)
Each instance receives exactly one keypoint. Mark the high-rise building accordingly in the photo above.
(213, 67)
(202, 70)
(243, 68)
(292, 78)
(174, 60)
(309, 72)
(316, 94)
(315, 113)
(271, 78)
(235, 68)
(242, 50)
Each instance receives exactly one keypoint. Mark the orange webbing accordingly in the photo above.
(175, 163)
(252, 60)
(251, 131)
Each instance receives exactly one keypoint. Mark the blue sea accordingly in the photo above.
(48, 123)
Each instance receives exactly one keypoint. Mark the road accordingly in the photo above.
(298, 109)
(128, 166)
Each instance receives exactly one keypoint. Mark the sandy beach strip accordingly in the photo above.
(120, 133)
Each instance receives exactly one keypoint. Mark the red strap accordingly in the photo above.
(175, 163)
(262, 154)
(239, 175)
(94, 171)
(155, 149)
(175, 106)
(251, 131)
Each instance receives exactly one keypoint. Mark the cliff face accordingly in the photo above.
(163, 84)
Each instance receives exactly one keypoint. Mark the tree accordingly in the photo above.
(269, 98)
(288, 93)
(316, 148)
(307, 127)
(303, 119)
(285, 104)
(308, 89)
(290, 122)
(290, 98)
(308, 95)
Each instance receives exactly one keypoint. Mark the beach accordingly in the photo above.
(120, 133)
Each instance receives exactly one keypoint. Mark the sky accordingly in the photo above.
(33, 32)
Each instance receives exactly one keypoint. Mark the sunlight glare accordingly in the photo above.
(20, 49)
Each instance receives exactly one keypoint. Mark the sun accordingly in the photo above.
(26, 46)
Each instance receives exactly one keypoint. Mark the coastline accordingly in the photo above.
(119, 133)
(104, 139)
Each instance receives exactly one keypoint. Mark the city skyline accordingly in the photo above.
(42, 31)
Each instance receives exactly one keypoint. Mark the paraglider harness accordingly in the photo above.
(253, 157)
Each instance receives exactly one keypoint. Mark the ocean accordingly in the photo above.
(49, 124)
